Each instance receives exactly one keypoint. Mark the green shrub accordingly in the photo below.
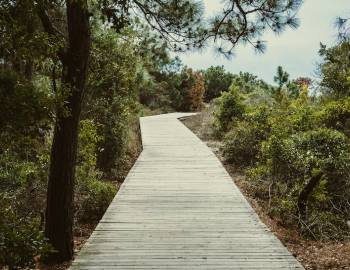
(93, 198)
(335, 69)
(180, 90)
(299, 154)
(92, 194)
(293, 161)
(110, 100)
(248, 83)
(243, 142)
(25, 181)
(25, 114)
(229, 110)
(217, 80)
(336, 114)
(21, 239)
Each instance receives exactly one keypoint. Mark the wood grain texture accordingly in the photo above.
(179, 209)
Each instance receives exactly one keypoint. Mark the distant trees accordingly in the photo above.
(343, 28)
(186, 90)
(336, 69)
(217, 80)
(197, 91)
(281, 77)
(290, 87)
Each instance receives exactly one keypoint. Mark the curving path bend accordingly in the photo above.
(179, 209)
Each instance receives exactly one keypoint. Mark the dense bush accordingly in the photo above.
(336, 114)
(242, 143)
(93, 195)
(302, 170)
(186, 93)
(26, 112)
(336, 70)
(229, 110)
(294, 148)
(248, 83)
(25, 135)
(110, 103)
(217, 80)
(25, 124)
(296, 156)
(293, 162)
(21, 238)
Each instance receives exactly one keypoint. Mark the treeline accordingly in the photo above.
(292, 142)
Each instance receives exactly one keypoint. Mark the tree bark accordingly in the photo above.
(305, 193)
(59, 210)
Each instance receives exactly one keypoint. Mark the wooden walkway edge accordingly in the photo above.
(179, 209)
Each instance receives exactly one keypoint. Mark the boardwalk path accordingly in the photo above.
(179, 209)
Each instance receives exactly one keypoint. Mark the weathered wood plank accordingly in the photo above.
(179, 209)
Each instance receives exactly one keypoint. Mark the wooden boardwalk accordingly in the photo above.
(179, 209)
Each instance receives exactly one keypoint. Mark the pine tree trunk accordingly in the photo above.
(59, 211)
(305, 193)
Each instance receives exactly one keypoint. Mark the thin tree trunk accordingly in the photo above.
(59, 211)
(305, 193)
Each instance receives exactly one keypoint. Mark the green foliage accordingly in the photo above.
(93, 195)
(242, 143)
(88, 141)
(25, 123)
(21, 239)
(230, 109)
(217, 80)
(336, 69)
(25, 111)
(290, 164)
(299, 154)
(255, 92)
(186, 90)
(24, 180)
(281, 77)
(336, 114)
(248, 83)
(291, 88)
(296, 152)
(112, 85)
(342, 24)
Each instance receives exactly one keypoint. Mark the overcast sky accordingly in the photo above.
(295, 50)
